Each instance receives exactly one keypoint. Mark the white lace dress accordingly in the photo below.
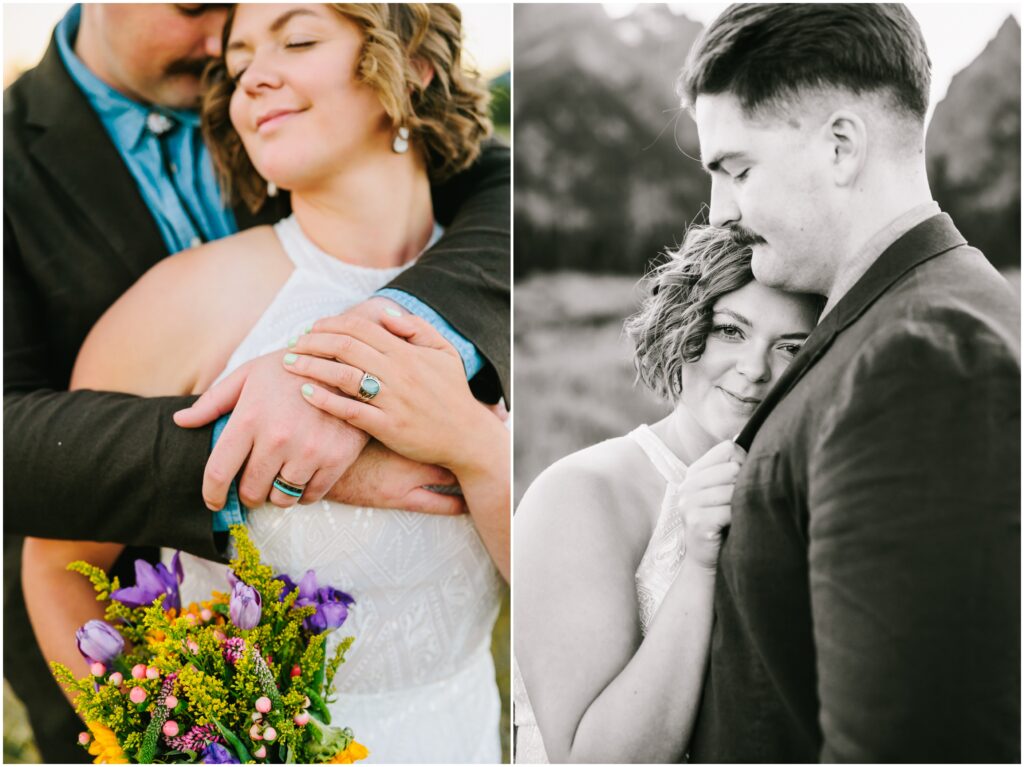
(418, 684)
(658, 568)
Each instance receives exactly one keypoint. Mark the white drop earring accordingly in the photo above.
(271, 189)
(401, 143)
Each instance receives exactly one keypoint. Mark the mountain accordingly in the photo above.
(973, 149)
(601, 184)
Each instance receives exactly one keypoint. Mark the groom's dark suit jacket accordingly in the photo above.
(868, 599)
(110, 467)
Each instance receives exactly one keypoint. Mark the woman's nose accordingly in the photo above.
(754, 365)
(260, 73)
(724, 211)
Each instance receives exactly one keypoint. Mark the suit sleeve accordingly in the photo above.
(466, 276)
(90, 465)
(914, 552)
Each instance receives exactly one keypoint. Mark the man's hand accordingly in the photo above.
(383, 479)
(272, 432)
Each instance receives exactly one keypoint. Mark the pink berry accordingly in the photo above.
(263, 705)
(254, 732)
(193, 647)
(97, 669)
(84, 738)
(301, 719)
(137, 695)
(191, 619)
(260, 753)
(152, 673)
(170, 728)
(138, 671)
(170, 701)
(296, 670)
(269, 734)
(206, 614)
(116, 678)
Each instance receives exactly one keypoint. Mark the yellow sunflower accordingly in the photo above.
(104, 745)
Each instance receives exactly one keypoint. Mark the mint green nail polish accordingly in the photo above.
(292, 341)
(307, 390)
(290, 359)
(309, 328)
(393, 311)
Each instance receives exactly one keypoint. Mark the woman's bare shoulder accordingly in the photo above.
(606, 492)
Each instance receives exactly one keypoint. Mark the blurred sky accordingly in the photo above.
(954, 32)
(27, 30)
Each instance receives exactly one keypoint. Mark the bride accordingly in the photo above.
(354, 109)
(610, 665)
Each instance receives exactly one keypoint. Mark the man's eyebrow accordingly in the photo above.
(275, 26)
(715, 163)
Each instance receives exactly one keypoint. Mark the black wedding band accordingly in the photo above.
(288, 488)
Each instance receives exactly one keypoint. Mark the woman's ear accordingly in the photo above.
(846, 134)
(424, 70)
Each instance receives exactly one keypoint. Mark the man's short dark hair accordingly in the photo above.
(764, 53)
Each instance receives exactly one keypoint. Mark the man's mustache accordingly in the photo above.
(193, 67)
(744, 238)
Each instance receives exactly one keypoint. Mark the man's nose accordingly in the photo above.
(724, 211)
(215, 20)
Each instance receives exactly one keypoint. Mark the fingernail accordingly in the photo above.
(308, 328)
(393, 311)
(289, 359)
(292, 341)
(307, 390)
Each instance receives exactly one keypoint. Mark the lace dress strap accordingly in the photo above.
(664, 554)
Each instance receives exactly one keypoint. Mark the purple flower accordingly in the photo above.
(289, 585)
(246, 606)
(215, 753)
(99, 642)
(151, 582)
(234, 649)
(331, 604)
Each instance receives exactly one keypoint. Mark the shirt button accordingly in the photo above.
(174, 167)
(195, 243)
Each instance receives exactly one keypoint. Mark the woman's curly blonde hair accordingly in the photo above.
(672, 326)
(448, 117)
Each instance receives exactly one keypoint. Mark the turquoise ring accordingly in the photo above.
(369, 387)
(288, 488)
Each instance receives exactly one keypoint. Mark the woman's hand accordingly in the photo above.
(705, 497)
(424, 409)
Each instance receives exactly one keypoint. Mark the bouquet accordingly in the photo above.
(242, 677)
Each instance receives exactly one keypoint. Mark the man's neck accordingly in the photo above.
(901, 219)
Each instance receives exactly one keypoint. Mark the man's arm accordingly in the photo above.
(466, 276)
(91, 465)
(914, 556)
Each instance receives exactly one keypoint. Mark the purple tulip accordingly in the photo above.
(215, 753)
(331, 604)
(246, 606)
(151, 582)
(99, 642)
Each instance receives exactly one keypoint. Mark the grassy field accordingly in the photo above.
(573, 369)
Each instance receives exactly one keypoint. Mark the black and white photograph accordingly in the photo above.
(767, 374)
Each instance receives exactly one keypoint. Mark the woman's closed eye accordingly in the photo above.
(299, 43)
(742, 176)
(791, 349)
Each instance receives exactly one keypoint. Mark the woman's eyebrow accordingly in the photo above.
(736, 316)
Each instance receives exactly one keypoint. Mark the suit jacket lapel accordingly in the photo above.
(80, 157)
(925, 241)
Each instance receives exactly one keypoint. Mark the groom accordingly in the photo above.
(868, 598)
(89, 207)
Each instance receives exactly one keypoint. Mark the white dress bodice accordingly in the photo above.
(418, 683)
(657, 570)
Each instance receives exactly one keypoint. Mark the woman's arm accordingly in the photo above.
(600, 691)
(58, 601)
(424, 411)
